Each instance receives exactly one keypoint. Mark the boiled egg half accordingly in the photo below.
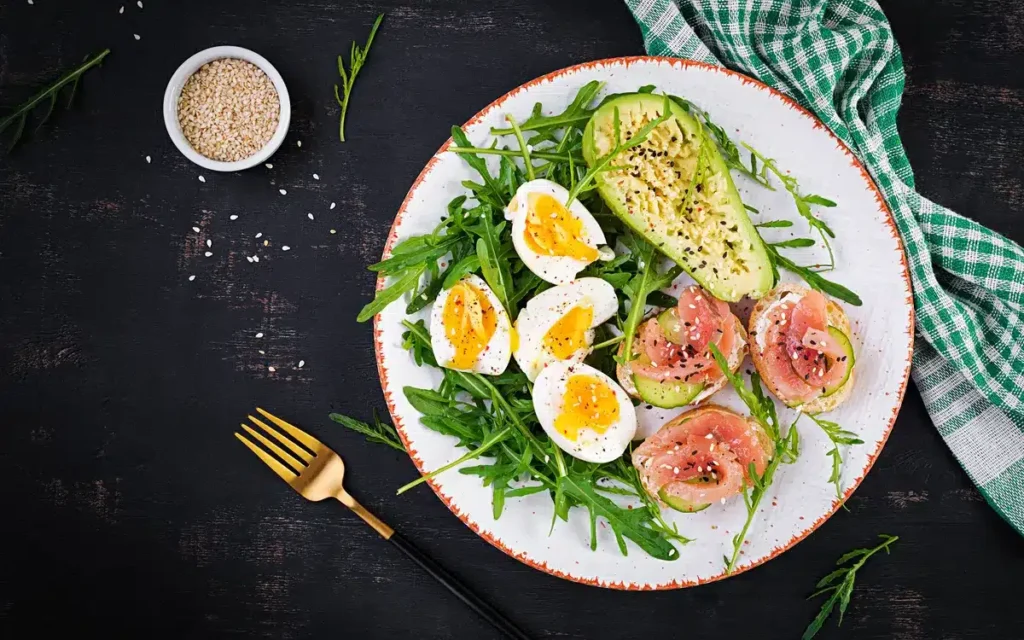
(583, 411)
(554, 241)
(469, 329)
(559, 323)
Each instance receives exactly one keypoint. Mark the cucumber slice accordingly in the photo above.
(668, 394)
(679, 504)
(668, 320)
(844, 342)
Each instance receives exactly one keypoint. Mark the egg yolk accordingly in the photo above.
(588, 403)
(569, 334)
(552, 230)
(469, 322)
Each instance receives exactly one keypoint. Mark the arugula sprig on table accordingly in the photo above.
(785, 447)
(380, 432)
(357, 57)
(839, 584)
(18, 118)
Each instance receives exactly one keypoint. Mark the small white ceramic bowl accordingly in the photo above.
(182, 75)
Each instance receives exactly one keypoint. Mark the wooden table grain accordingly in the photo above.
(130, 509)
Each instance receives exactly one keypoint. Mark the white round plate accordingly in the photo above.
(869, 259)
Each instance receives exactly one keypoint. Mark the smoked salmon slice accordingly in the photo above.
(701, 456)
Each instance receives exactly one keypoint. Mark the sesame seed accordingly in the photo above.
(137, 36)
(285, 248)
(334, 231)
(249, 258)
(121, 10)
(209, 242)
(709, 436)
(269, 166)
(208, 254)
(259, 334)
(302, 363)
(255, 258)
(316, 176)
(228, 109)
(202, 179)
(196, 229)
(271, 369)
(191, 278)
(259, 235)
(149, 160)
(266, 243)
(332, 206)
(675, 469)
(139, 3)
(309, 215)
(283, 192)
(298, 143)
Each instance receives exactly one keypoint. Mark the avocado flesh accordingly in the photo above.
(705, 230)
(844, 342)
(667, 394)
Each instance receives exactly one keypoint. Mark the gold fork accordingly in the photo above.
(317, 473)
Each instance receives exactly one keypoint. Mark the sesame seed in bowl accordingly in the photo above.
(227, 109)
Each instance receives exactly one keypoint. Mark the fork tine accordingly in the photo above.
(286, 474)
(295, 432)
(294, 448)
(289, 459)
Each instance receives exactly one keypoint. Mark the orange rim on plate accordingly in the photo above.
(675, 584)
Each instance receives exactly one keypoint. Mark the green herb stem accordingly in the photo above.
(19, 116)
(840, 583)
(513, 153)
(357, 57)
(491, 440)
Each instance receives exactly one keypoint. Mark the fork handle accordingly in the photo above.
(474, 602)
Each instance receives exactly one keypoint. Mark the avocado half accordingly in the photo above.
(699, 222)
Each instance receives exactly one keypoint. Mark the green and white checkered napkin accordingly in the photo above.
(839, 59)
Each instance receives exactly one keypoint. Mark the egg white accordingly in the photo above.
(547, 308)
(553, 269)
(591, 446)
(493, 360)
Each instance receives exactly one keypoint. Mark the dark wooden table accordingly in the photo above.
(130, 509)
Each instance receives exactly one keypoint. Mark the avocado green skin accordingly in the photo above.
(844, 341)
(758, 256)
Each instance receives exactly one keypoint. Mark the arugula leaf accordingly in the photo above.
(459, 270)
(496, 271)
(19, 116)
(838, 436)
(803, 203)
(575, 115)
(814, 279)
(426, 249)
(623, 522)
(392, 292)
(840, 584)
(379, 432)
